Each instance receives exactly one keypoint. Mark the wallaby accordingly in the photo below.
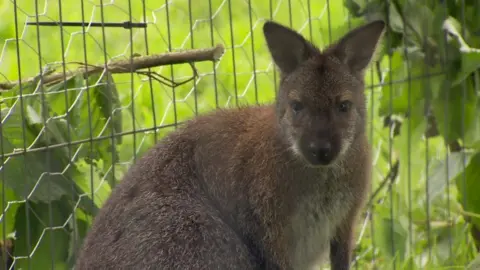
(276, 186)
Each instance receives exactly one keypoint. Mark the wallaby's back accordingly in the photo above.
(264, 187)
(161, 217)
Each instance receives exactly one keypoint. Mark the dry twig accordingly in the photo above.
(134, 64)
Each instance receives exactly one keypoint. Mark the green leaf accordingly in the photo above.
(79, 233)
(40, 234)
(468, 185)
(469, 57)
(438, 178)
(37, 184)
(74, 114)
(394, 97)
(95, 184)
(456, 111)
(475, 145)
(106, 95)
(354, 6)
(390, 231)
(11, 96)
(449, 244)
(61, 96)
(454, 29)
(470, 63)
(14, 131)
(395, 19)
(9, 204)
(408, 142)
(94, 120)
(33, 116)
(406, 79)
(419, 19)
(475, 264)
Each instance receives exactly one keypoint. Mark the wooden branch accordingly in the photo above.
(388, 180)
(131, 65)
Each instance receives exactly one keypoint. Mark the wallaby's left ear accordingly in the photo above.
(358, 47)
(287, 47)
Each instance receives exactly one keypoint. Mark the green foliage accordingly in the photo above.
(468, 184)
(432, 64)
(49, 175)
(39, 232)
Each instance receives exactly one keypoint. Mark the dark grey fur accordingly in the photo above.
(264, 187)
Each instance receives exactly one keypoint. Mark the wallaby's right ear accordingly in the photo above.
(287, 47)
(358, 47)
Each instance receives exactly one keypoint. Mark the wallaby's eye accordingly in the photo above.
(345, 106)
(296, 106)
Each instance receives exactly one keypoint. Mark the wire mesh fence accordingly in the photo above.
(72, 125)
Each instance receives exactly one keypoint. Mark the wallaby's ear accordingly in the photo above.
(358, 47)
(287, 47)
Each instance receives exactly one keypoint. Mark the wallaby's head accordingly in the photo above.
(321, 102)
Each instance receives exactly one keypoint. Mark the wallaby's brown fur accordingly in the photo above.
(265, 187)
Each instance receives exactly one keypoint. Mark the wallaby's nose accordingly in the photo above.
(321, 151)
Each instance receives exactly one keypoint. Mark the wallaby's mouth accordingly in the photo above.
(323, 160)
(319, 153)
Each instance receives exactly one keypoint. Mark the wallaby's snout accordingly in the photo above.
(320, 148)
(322, 142)
(320, 152)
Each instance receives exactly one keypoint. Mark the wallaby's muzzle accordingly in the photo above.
(319, 150)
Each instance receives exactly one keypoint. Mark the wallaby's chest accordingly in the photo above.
(313, 224)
